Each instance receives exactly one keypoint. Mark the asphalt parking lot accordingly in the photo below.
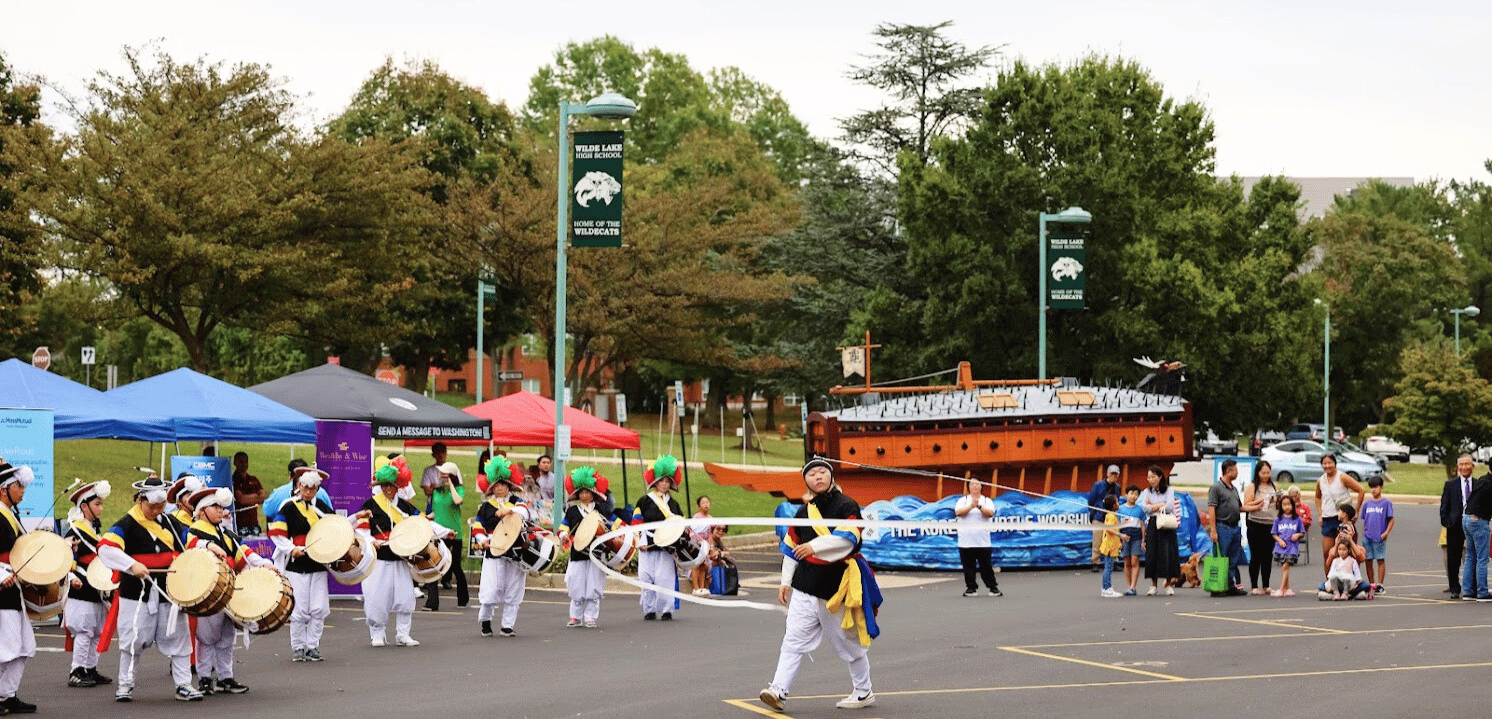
(1051, 645)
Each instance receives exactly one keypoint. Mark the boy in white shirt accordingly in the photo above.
(976, 514)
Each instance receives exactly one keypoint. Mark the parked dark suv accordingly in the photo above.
(1264, 438)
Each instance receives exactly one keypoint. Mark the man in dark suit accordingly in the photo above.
(1452, 507)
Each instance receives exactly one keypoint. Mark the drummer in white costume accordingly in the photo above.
(584, 580)
(135, 545)
(86, 608)
(288, 530)
(503, 578)
(390, 587)
(17, 643)
(215, 633)
(655, 565)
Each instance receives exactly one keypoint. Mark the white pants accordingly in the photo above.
(503, 583)
(656, 566)
(142, 624)
(808, 622)
(84, 620)
(17, 644)
(389, 588)
(586, 584)
(311, 609)
(215, 635)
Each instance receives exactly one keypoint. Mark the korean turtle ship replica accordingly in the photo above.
(1036, 436)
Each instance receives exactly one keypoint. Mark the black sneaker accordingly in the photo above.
(79, 677)
(487, 629)
(14, 705)
(996, 592)
(667, 616)
(971, 592)
(301, 655)
(314, 655)
(508, 632)
(650, 616)
(231, 686)
(204, 685)
(99, 678)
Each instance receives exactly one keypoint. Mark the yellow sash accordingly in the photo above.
(395, 515)
(851, 595)
(309, 511)
(167, 537)
(662, 504)
(10, 517)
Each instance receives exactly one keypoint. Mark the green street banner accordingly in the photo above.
(1066, 279)
(596, 209)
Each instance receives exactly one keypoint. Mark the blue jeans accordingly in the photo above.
(1230, 545)
(1108, 572)
(1474, 563)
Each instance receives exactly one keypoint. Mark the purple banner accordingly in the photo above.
(344, 450)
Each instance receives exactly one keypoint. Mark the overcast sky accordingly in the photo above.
(1305, 88)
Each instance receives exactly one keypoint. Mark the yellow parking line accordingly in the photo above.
(1281, 625)
(1101, 665)
(748, 706)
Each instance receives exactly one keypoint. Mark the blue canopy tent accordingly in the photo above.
(202, 408)
(79, 411)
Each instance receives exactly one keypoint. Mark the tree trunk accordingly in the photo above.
(419, 375)
(771, 425)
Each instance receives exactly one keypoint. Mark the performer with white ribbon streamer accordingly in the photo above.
(288, 530)
(585, 577)
(655, 564)
(135, 545)
(86, 608)
(17, 642)
(822, 575)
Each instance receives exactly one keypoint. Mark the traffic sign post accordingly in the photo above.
(509, 375)
(41, 358)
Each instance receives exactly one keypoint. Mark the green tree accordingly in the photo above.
(23, 141)
(1440, 401)
(187, 188)
(1383, 277)
(1180, 265)
(461, 137)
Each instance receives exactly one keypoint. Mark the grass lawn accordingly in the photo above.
(1427, 479)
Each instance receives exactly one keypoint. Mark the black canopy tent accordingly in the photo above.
(335, 392)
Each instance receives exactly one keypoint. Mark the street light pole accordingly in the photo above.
(1326, 371)
(1074, 215)
(610, 106)
(482, 289)
(1469, 311)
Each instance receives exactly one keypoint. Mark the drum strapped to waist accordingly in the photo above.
(333, 542)
(100, 577)
(40, 558)
(414, 540)
(262, 600)
(359, 571)
(506, 536)
(537, 550)
(200, 582)
(43, 601)
(687, 551)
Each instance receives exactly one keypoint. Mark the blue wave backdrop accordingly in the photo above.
(938, 549)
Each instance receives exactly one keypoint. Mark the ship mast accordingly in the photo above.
(865, 349)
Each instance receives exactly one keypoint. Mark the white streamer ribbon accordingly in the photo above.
(1023, 526)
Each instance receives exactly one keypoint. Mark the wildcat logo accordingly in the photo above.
(596, 186)
(1066, 268)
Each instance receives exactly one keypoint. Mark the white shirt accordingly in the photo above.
(974, 527)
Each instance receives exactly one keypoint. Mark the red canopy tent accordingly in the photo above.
(524, 419)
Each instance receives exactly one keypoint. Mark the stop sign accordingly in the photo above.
(41, 358)
(387, 375)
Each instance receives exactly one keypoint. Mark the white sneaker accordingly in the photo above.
(1109, 593)
(773, 698)
(1170, 591)
(1151, 591)
(379, 642)
(406, 642)
(857, 700)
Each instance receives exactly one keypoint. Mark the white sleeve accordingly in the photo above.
(439, 531)
(789, 565)
(830, 543)
(282, 544)
(114, 558)
(255, 560)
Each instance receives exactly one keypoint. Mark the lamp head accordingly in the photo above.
(1073, 214)
(611, 106)
(1471, 311)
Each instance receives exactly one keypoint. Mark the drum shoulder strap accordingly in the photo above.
(662, 505)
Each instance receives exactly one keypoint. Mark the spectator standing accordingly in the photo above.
(546, 477)
(482, 460)
(1260, 499)
(430, 478)
(1333, 490)
(1377, 524)
(975, 514)
(248, 494)
(1287, 532)
(1224, 508)
(1132, 546)
(1452, 511)
(701, 526)
(1108, 549)
(1162, 560)
(446, 498)
(1107, 485)
(1474, 524)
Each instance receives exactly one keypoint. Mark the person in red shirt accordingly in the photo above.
(248, 494)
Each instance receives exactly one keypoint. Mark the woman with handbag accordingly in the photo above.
(1162, 511)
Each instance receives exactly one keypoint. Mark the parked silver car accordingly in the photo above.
(1299, 460)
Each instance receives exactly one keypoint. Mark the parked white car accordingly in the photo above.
(1394, 451)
